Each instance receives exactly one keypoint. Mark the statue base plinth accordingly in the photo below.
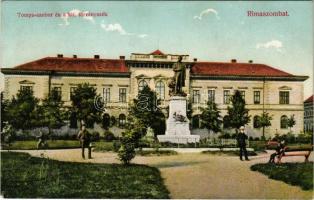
(178, 131)
(179, 139)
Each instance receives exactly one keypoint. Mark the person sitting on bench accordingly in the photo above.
(280, 150)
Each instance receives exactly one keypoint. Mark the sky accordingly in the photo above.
(209, 31)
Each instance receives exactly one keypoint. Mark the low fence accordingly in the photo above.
(208, 142)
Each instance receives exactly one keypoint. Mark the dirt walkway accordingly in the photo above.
(195, 175)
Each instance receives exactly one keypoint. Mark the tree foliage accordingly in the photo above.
(22, 111)
(291, 122)
(264, 120)
(237, 115)
(52, 111)
(83, 104)
(210, 117)
(129, 141)
(144, 113)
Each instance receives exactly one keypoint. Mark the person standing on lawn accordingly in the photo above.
(42, 143)
(85, 140)
(241, 139)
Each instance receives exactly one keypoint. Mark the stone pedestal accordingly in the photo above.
(177, 125)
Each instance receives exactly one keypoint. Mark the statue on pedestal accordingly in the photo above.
(178, 81)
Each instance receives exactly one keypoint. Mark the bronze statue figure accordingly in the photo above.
(178, 80)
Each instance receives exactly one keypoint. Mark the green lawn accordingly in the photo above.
(300, 174)
(23, 176)
(52, 144)
(106, 146)
(156, 152)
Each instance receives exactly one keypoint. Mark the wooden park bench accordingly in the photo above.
(288, 151)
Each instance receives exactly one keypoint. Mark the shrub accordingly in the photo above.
(116, 145)
(95, 136)
(109, 136)
(224, 136)
(126, 151)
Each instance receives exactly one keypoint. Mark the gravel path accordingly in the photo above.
(201, 176)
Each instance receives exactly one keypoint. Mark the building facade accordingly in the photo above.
(308, 114)
(264, 88)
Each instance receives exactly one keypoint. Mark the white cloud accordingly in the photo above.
(76, 13)
(119, 29)
(276, 44)
(114, 28)
(206, 12)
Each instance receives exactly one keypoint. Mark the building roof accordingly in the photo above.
(157, 52)
(236, 69)
(66, 64)
(97, 66)
(308, 100)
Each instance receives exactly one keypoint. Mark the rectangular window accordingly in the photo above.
(283, 97)
(72, 89)
(58, 89)
(242, 92)
(211, 95)
(106, 95)
(122, 95)
(226, 96)
(257, 97)
(26, 87)
(196, 96)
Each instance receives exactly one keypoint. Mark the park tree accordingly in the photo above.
(144, 113)
(210, 117)
(84, 106)
(237, 115)
(264, 120)
(22, 111)
(4, 104)
(52, 111)
(291, 122)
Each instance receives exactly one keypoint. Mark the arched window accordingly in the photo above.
(196, 121)
(122, 120)
(106, 121)
(73, 120)
(141, 85)
(255, 121)
(284, 122)
(226, 122)
(160, 89)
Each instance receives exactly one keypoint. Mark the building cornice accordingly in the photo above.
(253, 78)
(54, 73)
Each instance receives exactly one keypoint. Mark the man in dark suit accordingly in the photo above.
(241, 139)
(85, 140)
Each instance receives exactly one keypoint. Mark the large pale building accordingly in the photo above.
(119, 81)
(308, 114)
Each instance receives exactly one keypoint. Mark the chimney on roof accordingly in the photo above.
(122, 57)
(195, 59)
(96, 56)
(60, 55)
(74, 56)
(250, 61)
(234, 60)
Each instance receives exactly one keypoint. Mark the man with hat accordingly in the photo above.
(241, 139)
(85, 140)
